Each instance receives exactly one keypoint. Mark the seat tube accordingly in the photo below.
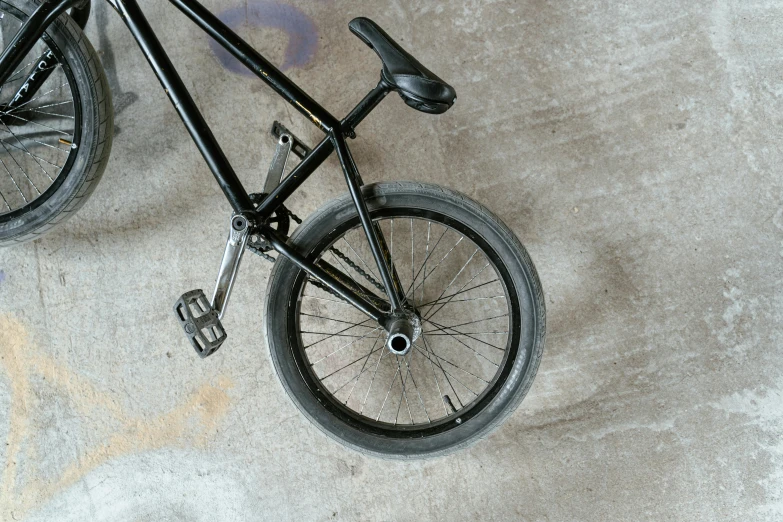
(393, 289)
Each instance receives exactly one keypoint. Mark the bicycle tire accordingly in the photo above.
(285, 295)
(77, 180)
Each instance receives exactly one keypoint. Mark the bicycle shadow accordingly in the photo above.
(121, 99)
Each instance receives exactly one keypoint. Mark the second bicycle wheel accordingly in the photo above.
(466, 277)
(56, 126)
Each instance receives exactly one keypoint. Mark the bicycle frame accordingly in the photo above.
(336, 131)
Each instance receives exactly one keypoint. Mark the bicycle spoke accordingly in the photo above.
(347, 272)
(14, 181)
(355, 379)
(384, 353)
(333, 335)
(330, 336)
(496, 365)
(478, 298)
(28, 152)
(21, 169)
(33, 155)
(17, 107)
(391, 247)
(427, 257)
(387, 393)
(458, 273)
(403, 394)
(446, 374)
(441, 328)
(413, 380)
(448, 364)
(52, 104)
(437, 386)
(432, 332)
(38, 142)
(441, 261)
(456, 379)
(461, 292)
(35, 123)
(460, 368)
(50, 114)
(413, 263)
(361, 259)
(365, 357)
(453, 326)
(463, 286)
(17, 76)
(345, 346)
(330, 300)
(335, 320)
(5, 201)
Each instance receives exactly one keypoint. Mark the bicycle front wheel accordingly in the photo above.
(56, 126)
(479, 301)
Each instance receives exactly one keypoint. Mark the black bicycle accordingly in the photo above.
(403, 319)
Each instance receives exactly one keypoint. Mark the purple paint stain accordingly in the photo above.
(2, 276)
(302, 32)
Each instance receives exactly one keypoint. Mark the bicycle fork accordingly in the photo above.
(24, 41)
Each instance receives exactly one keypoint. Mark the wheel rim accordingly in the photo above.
(470, 328)
(39, 138)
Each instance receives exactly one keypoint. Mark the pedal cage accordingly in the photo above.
(298, 147)
(200, 322)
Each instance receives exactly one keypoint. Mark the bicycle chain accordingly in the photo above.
(361, 272)
(260, 250)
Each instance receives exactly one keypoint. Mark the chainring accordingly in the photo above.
(280, 220)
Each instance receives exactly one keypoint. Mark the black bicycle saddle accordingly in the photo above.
(419, 87)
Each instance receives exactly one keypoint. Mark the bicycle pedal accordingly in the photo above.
(200, 322)
(298, 147)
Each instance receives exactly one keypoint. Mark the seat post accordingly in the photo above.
(365, 107)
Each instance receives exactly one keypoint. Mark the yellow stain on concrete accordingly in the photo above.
(189, 424)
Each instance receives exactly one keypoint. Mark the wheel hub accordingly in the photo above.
(404, 329)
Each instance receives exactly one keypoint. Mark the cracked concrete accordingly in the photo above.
(633, 147)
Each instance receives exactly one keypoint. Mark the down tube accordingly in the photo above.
(202, 135)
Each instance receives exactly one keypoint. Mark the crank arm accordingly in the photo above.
(298, 147)
(279, 161)
(229, 266)
(286, 144)
(199, 318)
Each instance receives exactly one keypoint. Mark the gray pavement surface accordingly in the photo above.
(634, 147)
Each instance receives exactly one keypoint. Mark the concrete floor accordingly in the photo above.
(634, 147)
